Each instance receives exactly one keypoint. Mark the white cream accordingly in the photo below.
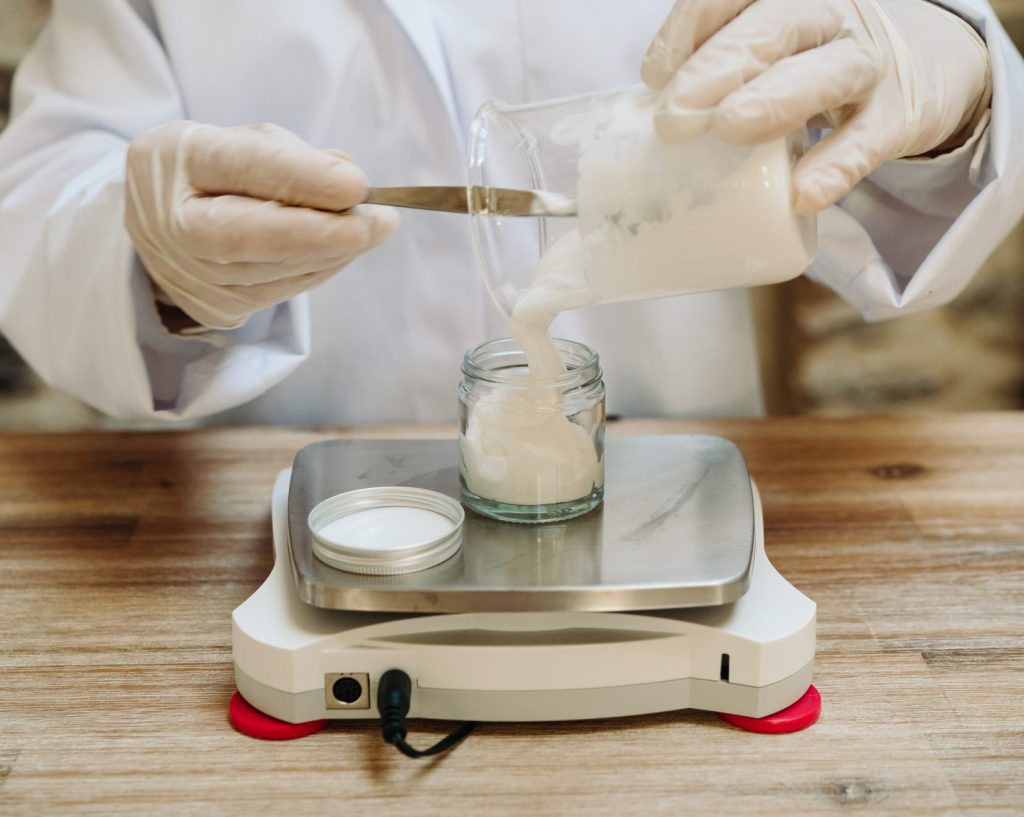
(557, 284)
(520, 449)
(660, 219)
(653, 220)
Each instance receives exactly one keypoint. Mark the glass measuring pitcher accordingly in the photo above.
(652, 219)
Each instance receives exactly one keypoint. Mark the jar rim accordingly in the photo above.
(492, 362)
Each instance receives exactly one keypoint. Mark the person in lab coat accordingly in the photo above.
(160, 257)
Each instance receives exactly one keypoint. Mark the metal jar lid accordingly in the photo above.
(386, 531)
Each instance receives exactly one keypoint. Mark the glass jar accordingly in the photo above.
(652, 219)
(531, 449)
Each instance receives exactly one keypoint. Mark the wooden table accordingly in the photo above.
(124, 554)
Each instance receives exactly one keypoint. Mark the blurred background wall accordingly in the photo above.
(818, 355)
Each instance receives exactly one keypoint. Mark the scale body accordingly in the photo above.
(663, 599)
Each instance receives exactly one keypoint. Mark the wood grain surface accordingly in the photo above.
(124, 554)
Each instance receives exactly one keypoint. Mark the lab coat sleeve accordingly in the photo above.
(74, 298)
(913, 234)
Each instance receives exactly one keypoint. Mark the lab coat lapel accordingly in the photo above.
(416, 18)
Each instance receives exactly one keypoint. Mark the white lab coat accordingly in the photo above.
(395, 83)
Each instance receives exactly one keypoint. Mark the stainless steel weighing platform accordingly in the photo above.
(676, 530)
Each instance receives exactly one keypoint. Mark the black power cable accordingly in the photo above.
(393, 695)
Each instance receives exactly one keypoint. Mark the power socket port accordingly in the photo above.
(347, 690)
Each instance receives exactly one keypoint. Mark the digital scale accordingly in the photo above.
(661, 599)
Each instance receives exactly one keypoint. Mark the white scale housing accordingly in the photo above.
(662, 600)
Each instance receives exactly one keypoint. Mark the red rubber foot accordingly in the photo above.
(791, 719)
(248, 720)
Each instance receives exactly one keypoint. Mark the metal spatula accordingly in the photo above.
(491, 201)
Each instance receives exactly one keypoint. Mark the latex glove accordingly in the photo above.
(231, 220)
(894, 78)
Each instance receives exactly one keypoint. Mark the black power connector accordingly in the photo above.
(394, 692)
